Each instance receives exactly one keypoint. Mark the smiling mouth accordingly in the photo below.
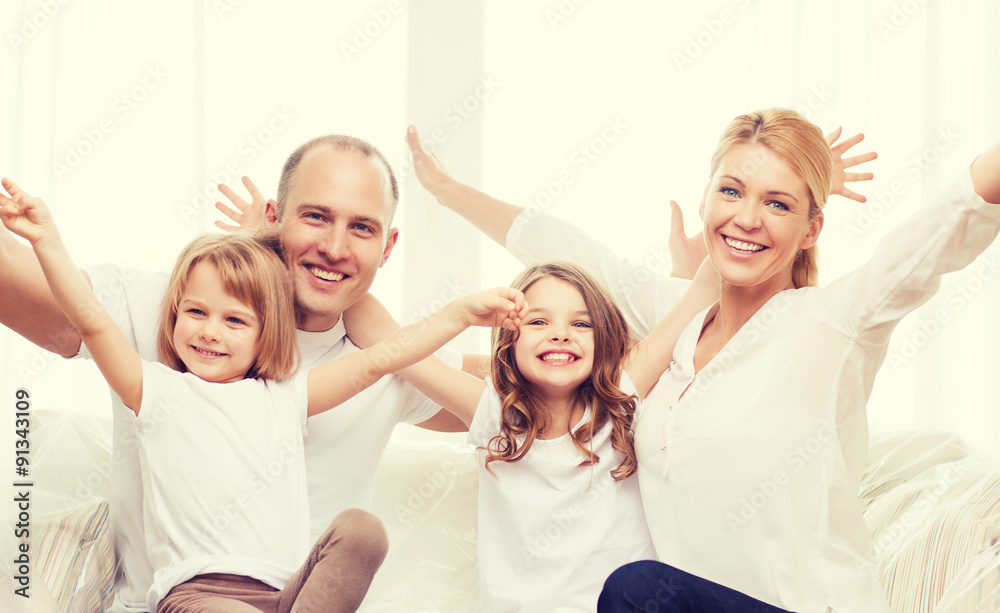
(325, 275)
(554, 357)
(743, 246)
(206, 353)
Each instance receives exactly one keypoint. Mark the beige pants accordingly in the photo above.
(335, 576)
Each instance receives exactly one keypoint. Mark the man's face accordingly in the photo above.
(334, 230)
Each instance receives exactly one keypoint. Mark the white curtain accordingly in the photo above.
(124, 116)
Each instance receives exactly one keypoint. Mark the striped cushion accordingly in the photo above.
(934, 514)
(76, 559)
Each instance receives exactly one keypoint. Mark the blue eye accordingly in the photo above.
(730, 192)
(536, 322)
(777, 205)
(236, 320)
(195, 311)
(582, 324)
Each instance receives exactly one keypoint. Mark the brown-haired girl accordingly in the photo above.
(558, 510)
(223, 470)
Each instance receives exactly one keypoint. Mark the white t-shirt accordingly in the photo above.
(551, 531)
(750, 470)
(223, 477)
(343, 448)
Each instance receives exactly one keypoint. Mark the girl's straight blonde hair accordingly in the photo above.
(253, 272)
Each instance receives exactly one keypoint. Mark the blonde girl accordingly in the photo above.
(223, 470)
(559, 507)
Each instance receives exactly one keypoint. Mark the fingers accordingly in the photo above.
(228, 212)
(858, 159)
(676, 221)
(226, 227)
(255, 194)
(840, 148)
(853, 196)
(858, 176)
(236, 200)
(13, 189)
(833, 136)
(413, 140)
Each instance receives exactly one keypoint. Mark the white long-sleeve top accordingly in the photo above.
(749, 469)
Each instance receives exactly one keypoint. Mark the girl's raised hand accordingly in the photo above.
(23, 214)
(501, 307)
(249, 216)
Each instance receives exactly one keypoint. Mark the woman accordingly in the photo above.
(751, 445)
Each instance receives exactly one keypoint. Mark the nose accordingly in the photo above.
(209, 329)
(560, 333)
(748, 217)
(335, 244)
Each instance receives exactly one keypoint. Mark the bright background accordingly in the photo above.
(124, 116)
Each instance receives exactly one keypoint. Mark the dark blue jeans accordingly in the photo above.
(654, 587)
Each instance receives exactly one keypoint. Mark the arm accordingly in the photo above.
(331, 384)
(26, 303)
(367, 322)
(904, 272)
(118, 361)
(651, 356)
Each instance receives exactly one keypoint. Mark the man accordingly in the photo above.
(336, 200)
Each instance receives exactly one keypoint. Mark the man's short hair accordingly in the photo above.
(337, 142)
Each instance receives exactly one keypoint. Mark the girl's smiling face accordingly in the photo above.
(555, 345)
(756, 214)
(216, 334)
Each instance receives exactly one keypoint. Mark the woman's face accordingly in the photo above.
(756, 214)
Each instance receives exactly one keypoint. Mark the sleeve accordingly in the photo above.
(643, 294)
(486, 422)
(133, 299)
(417, 407)
(906, 269)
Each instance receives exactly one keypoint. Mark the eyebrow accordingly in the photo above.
(544, 310)
(772, 192)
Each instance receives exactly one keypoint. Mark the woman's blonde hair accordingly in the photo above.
(522, 415)
(252, 271)
(801, 145)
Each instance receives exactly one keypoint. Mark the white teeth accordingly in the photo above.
(207, 352)
(743, 246)
(326, 275)
(558, 357)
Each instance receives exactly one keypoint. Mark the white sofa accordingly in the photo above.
(931, 502)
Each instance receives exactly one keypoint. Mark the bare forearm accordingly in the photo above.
(26, 303)
(494, 217)
(70, 289)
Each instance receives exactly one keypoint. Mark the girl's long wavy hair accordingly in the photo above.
(522, 414)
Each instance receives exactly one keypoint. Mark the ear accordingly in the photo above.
(815, 227)
(390, 242)
(271, 212)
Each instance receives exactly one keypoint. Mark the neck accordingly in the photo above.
(738, 304)
(561, 412)
(315, 323)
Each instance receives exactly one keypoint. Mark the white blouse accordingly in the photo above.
(749, 470)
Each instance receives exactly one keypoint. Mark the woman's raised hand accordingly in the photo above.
(430, 171)
(840, 177)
